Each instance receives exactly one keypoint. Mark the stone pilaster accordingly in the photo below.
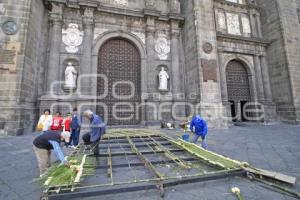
(86, 60)
(150, 31)
(266, 80)
(55, 42)
(253, 23)
(176, 90)
(258, 78)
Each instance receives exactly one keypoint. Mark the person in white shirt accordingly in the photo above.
(45, 121)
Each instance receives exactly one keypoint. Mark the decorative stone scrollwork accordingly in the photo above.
(72, 38)
(162, 46)
(140, 35)
(150, 4)
(121, 2)
(175, 6)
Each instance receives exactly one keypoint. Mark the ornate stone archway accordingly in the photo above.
(238, 88)
(135, 41)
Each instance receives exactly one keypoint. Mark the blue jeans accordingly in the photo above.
(75, 136)
(195, 139)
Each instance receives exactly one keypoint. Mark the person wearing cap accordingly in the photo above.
(97, 129)
(198, 126)
(44, 143)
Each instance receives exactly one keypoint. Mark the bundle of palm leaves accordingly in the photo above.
(62, 175)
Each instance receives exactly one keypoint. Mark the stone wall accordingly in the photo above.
(19, 82)
(281, 26)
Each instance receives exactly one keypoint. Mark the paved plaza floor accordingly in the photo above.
(273, 147)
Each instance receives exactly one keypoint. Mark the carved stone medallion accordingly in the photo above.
(162, 46)
(10, 27)
(72, 38)
(207, 47)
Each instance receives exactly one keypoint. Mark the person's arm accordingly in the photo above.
(95, 132)
(41, 119)
(58, 152)
(204, 127)
(79, 117)
(192, 124)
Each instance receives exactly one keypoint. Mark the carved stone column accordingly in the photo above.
(258, 78)
(150, 30)
(253, 23)
(258, 24)
(223, 81)
(176, 82)
(55, 42)
(266, 80)
(86, 60)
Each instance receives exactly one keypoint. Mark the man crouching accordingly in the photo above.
(97, 129)
(44, 143)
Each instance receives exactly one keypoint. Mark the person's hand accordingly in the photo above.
(66, 163)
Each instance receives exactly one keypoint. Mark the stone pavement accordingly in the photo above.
(274, 147)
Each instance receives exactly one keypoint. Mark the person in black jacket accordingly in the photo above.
(44, 143)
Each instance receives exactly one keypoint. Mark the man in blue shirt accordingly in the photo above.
(97, 129)
(199, 127)
(44, 143)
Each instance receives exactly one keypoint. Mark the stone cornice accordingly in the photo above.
(117, 10)
(234, 38)
(237, 5)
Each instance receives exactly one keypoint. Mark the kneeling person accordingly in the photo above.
(44, 143)
(97, 129)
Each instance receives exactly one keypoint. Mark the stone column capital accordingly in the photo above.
(55, 18)
(150, 30)
(175, 33)
(88, 22)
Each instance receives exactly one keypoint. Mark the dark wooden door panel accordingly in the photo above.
(119, 60)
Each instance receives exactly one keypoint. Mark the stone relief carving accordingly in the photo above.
(176, 6)
(246, 26)
(163, 80)
(221, 20)
(72, 38)
(207, 47)
(121, 2)
(233, 23)
(162, 46)
(141, 36)
(150, 4)
(89, 12)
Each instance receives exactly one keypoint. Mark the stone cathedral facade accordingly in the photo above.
(141, 62)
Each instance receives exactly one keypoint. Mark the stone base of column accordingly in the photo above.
(17, 120)
(215, 114)
(288, 113)
(270, 114)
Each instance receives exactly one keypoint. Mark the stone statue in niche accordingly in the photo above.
(70, 76)
(163, 80)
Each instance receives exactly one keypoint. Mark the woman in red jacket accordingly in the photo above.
(57, 121)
